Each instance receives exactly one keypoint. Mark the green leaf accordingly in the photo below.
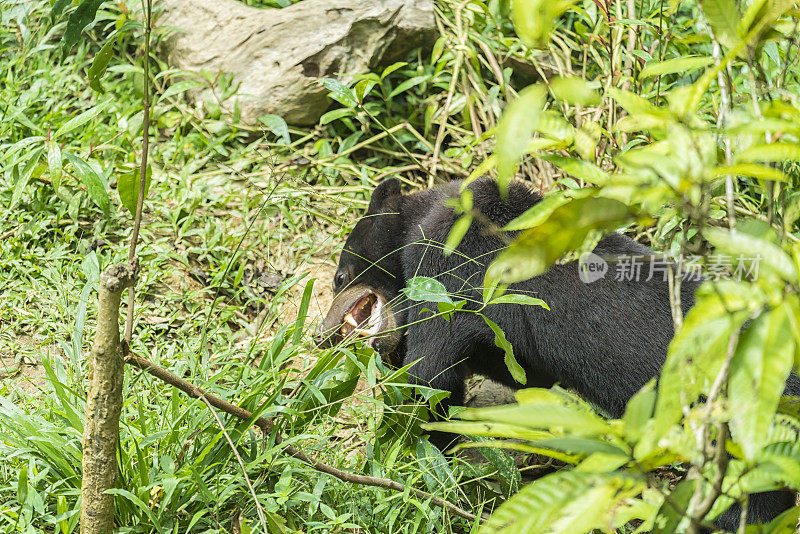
(566, 501)
(275, 523)
(446, 310)
(128, 188)
(773, 153)
(534, 20)
(425, 289)
(580, 445)
(598, 507)
(673, 510)
(696, 353)
(575, 91)
(335, 114)
(554, 126)
(54, 163)
(541, 211)
(631, 102)
(503, 463)
(600, 462)
(684, 100)
(642, 121)
(363, 88)
(457, 233)
(302, 313)
(585, 140)
(277, 126)
(653, 159)
(760, 14)
(554, 395)
(81, 119)
(638, 412)
(565, 229)
(438, 49)
(762, 172)
(583, 170)
(19, 145)
(792, 303)
(740, 245)
(515, 129)
(61, 509)
(57, 9)
(670, 66)
(516, 298)
(340, 92)
(488, 429)
(100, 63)
(125, 494)
(516, 370)
(408, 84)
(786, 523)
(80, 18)
(393, 67)
(435, 470)
(93, 182)
(22, 485)
(771, 472)
(759, 369)
(545, 415)
(180, 87)
(482, 169)
(723, 17)
(21, 179)
(491, 289)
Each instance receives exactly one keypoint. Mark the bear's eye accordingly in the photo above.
(338, 280)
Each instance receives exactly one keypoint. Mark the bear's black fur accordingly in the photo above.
(603, 339)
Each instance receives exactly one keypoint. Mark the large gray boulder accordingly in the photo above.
(277, 54)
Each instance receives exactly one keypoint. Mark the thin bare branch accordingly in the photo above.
(147, 12)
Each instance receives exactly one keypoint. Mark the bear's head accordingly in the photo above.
(369, 276)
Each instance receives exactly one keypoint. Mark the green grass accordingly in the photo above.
(217, 210)
(227, 201)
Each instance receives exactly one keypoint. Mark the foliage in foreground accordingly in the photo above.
(645, 125)
(689, 152)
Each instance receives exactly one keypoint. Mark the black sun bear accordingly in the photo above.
(603, 339)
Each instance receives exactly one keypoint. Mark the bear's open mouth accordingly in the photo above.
(364, 318)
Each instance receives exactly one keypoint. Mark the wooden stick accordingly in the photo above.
(103, 406)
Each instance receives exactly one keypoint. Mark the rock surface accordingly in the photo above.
(275, 55)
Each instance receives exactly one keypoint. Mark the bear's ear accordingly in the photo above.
(386, 197)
